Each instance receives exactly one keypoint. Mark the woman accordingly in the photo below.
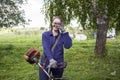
(52, 56)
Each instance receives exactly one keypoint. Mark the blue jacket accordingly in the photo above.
(58, 53)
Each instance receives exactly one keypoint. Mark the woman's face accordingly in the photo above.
(56, 23)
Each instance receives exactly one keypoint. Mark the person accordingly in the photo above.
(51, 58)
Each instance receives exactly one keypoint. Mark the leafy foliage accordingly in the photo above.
(82, 10)
(10, 13)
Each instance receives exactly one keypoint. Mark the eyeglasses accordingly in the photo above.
(57, 23)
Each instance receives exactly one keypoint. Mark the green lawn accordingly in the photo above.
(82, 64)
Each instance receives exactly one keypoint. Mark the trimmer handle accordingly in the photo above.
(62, 65)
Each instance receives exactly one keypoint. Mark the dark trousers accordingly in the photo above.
(56, 73)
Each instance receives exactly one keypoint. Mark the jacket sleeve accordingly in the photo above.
(46, 46)
(67, 41)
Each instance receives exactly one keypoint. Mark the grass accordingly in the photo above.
(82, 63)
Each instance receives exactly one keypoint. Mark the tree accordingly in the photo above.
(10, 13)
(100, 13)
(101, 19)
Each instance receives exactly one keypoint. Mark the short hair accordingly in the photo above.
(57, 17)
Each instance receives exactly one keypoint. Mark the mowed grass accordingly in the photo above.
(81, 61)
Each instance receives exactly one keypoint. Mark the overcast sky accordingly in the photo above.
(33, 12)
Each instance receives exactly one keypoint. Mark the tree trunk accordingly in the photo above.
(102, 27)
